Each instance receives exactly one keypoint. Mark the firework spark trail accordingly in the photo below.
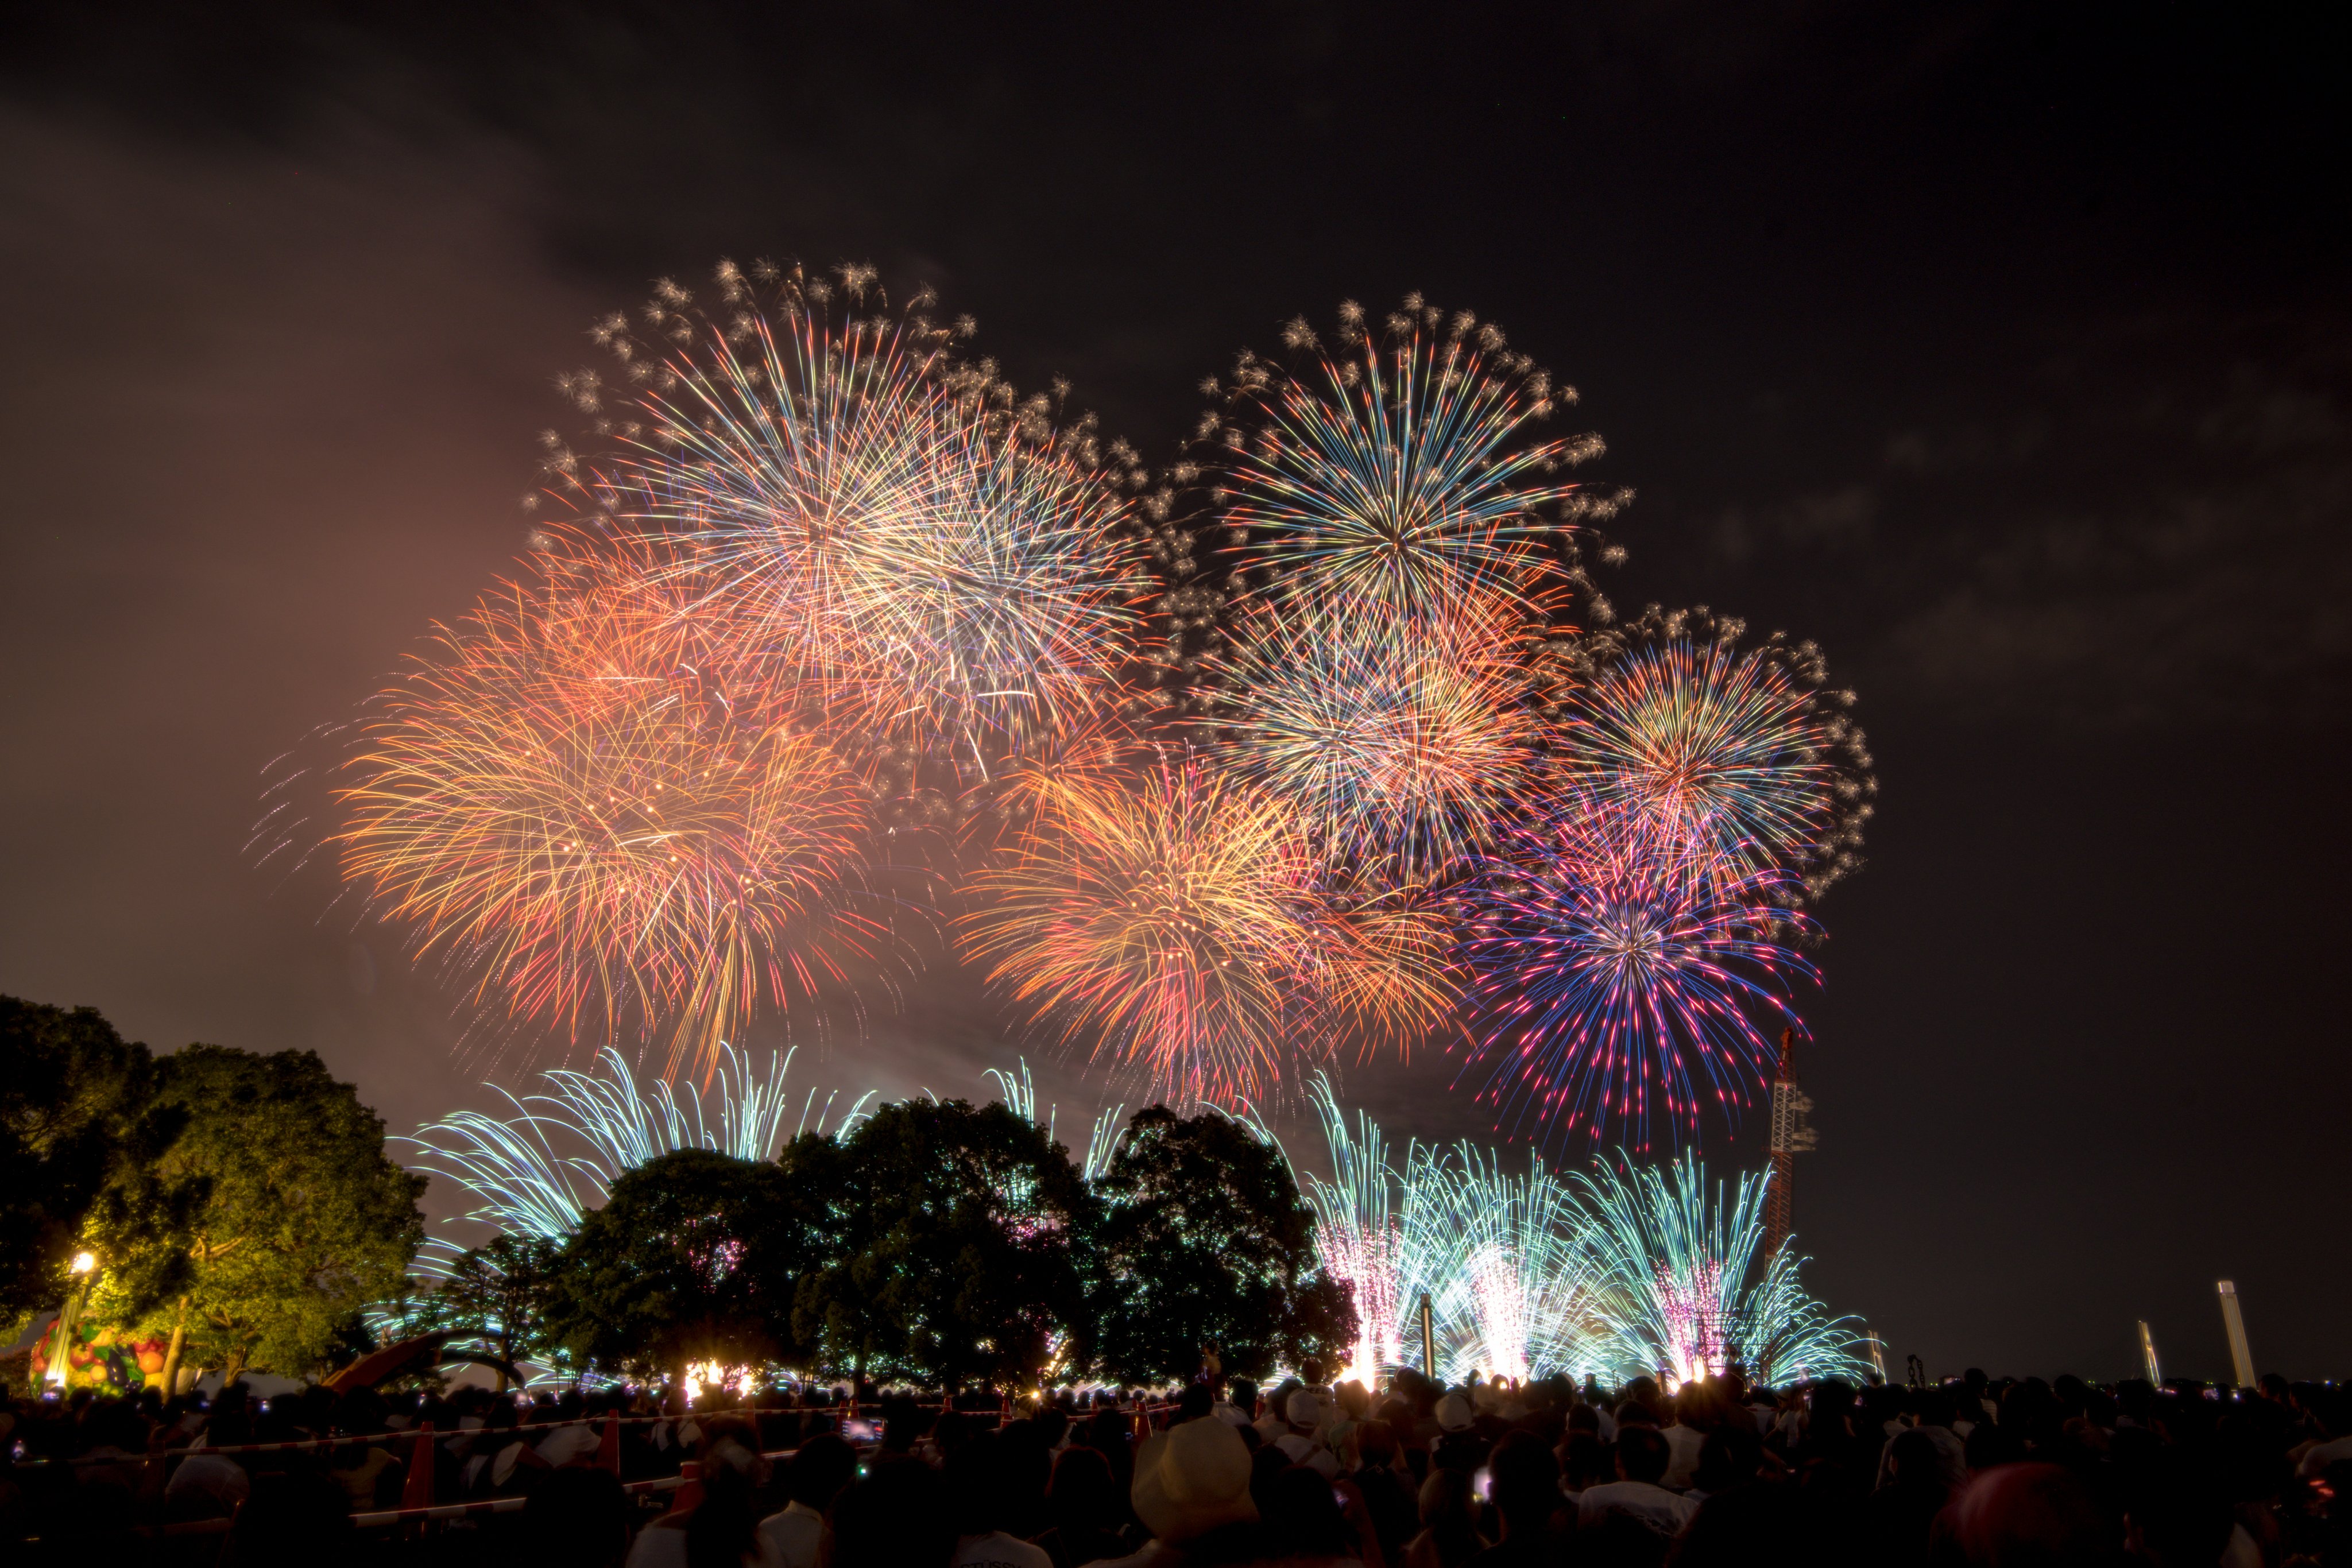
(1399, 737)
(588, 802)
(1683, 1290)
(1499, 1257)
(535, 1172)
(1531, 1275)
(1610, 963)
(1496, 1254)
(1357, 1235)
(1017, 1088)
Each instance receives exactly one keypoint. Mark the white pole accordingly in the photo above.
(2234, 1319)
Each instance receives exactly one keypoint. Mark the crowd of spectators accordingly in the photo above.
(1490, 1475)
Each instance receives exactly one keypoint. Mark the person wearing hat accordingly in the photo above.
(1239, 1407)
(1459, 1446)
(1190, 1481)
(1302, 1440)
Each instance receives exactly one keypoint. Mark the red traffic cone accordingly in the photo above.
(689, 1496)
(608, 1447)
(418, 1491)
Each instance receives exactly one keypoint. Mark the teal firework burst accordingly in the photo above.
(1683, 1290)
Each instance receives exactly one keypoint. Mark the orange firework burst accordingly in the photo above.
(1179, 919)
(588, 800)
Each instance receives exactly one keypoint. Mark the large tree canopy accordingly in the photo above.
(691, 1259)
(81, 1136)
(305, 1218)
(956, 1237)
(1203, 1239)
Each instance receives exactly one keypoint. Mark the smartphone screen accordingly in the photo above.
(1482, 1482)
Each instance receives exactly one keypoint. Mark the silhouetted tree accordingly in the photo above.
(1203, 1239)
(81, 1141)
(691, 1260)
(954, 1241)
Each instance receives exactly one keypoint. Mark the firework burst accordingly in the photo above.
(1397, 470)
(1747, 755)
(606, 816)
(1180, 919)
(1168, 918)
(949, 568)
(1400, 737)
(1612, 965)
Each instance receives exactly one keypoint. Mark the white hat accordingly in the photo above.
(1453, 1413)
(1190, 1478)
(1303, 1409)
(567, 1445)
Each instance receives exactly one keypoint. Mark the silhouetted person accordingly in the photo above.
(1525, 1493)
(577, 1516)
(1083, 1505)
(292, 1520)
(1301, 1519)
(898, 1516)
(824, 1465)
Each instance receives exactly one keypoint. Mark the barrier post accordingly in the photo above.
(689, 1492)
(608, 1447)
(419, 1490)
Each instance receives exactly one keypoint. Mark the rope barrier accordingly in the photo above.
(410, 1432)
(379, 1518)
(843, 1412)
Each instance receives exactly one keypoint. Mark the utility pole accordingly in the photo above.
(1790, 1137)
(2234, 1319)
(61, 1360)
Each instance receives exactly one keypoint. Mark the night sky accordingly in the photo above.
(2003, 349)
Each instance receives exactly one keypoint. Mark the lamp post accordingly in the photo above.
(85, 1267)
(2234, 1321)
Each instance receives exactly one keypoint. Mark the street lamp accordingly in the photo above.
(85, 1264)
